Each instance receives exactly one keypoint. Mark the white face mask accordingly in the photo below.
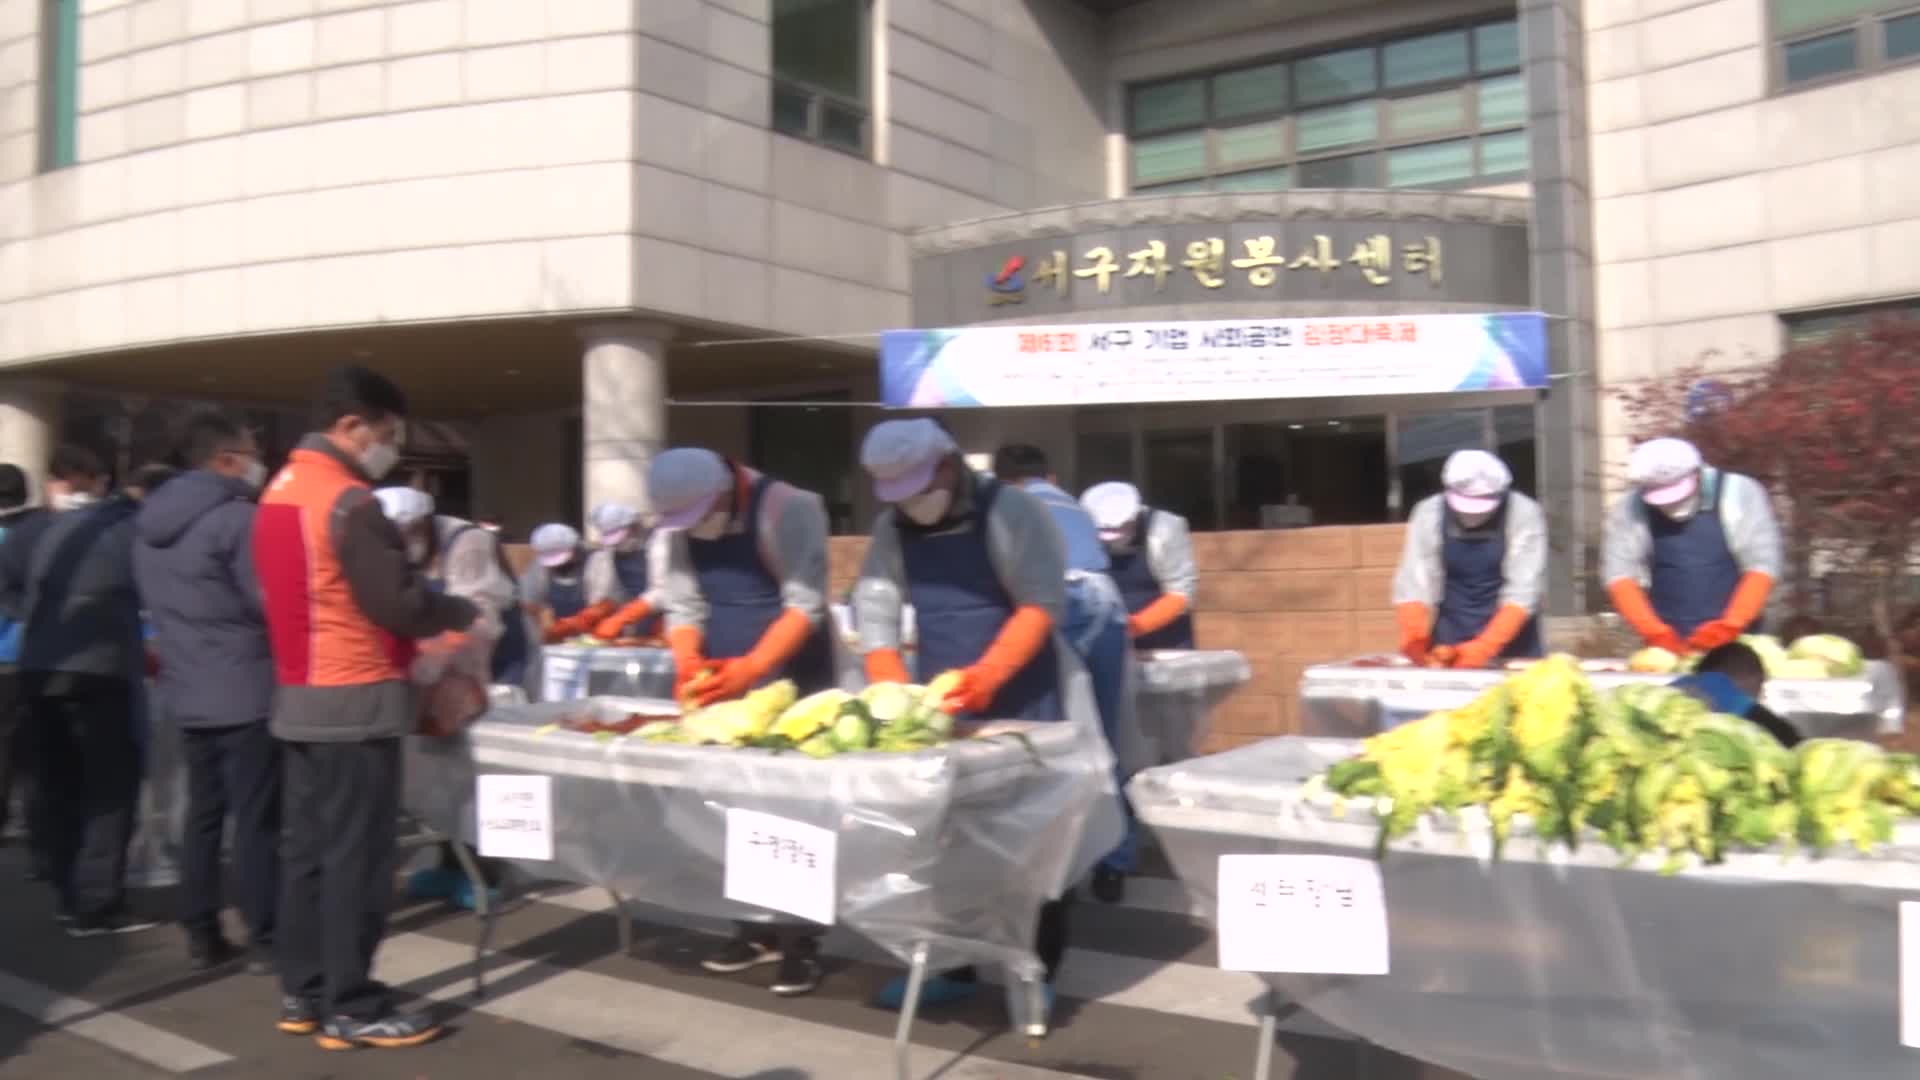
(74, 500)
(417, 550)
(379, 460)
(613, 538)
(256, 475)
(1474, 521)
(928, 507)
(1684, 509)
(711, 527)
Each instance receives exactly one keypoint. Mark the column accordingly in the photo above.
(623, 409)
(29, 427)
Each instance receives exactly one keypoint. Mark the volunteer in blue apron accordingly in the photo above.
(1692, 551)
(620, 571)
(1152, 562)
(554, 588)
(466, 560)
(984, 567)
(745, 566)
(1473, 568)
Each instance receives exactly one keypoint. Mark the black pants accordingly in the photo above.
(231, 771)
(87, 787)
(1049, 941)
(15, 745)
(341, 806)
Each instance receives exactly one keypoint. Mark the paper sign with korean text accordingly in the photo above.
(782, 864)
(1302, 914)
(515, 816)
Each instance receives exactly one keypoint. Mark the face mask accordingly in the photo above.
(613, 538)
(711, 527)
(1474, 521)
(256, 475)
(417, 551)
(928, 507)
(1682, 510)
(379, 459)
(74, 500)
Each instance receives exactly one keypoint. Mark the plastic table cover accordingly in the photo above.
(1343, 701)
(953, 848)
(571, 672)
(1176, 693)
(1566, 964)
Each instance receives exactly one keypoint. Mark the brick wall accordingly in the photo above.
(1285, 598)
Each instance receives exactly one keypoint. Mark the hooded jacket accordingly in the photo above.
(82, 606)
(194, 564)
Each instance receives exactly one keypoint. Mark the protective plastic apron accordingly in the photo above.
(960, 607)
(514, 651)
(631, 568)
(743, 600)
(1693, 569)
(1474, 563)
(1138, 587)
(566, 598)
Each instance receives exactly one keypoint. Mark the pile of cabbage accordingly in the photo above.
(896, 717)
(1816, 656)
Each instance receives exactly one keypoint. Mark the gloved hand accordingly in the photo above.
(975, 692)
(578, 623)
(885, 665)
(1631, 601)
(1476, 654)
(729, 679)
(610, 627)
(1415, 649)
(688, 663)
(1664, 637)
(1494, 638)
(1022, 638)
(1164, 609)
(556, 632)
(1416, 630)
(1713, 634)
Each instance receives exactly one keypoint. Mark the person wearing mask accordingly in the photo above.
(1152, 555)
(745, 583)
(14, 767)
(985, 569)
(1473, 568)
(554, 588)
(193, 562)
(1692, 552)
(344, 606)
(1731, 680)
(1095, 626)
(621, 571)
(81, 656)
(463, 559)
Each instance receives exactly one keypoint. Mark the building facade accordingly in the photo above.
(579, 230)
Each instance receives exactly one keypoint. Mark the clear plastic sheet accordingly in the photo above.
(1342, 701)
(1176, 691)
(955, 848)
(1564, 964)
(571, 672)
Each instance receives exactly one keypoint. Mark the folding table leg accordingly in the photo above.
(482, 910)
(903, 1032)
(1269, 1030)
(1027, 1005)
(625, 923)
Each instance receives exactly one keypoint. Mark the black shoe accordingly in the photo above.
(390, 1032)
(297, 1016)
(799, 973)
(740, 954)
(1109, 885)
(104, 925)
(208, 951)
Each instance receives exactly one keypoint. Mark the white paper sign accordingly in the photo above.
(1306, 914)
(1910, 973)
(515, 816)
(775, 862)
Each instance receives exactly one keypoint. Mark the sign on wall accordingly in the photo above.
(1232, 360)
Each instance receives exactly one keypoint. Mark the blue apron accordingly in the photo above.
(743, 600)
(1693, 569)
(1138, 587)
(1473, 560)
(566, 598)
(631, 568)
(960, 606)
(513, 651)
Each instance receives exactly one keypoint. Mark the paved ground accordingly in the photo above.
(1140, 1000)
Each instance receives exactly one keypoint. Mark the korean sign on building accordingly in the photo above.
(1115, 363)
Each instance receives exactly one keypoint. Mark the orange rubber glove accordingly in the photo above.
(729, 679)
(1630, 600)
(578, 623)
(777, 644)
(610, 627)
(686, 642)
(885, 665)
(1749, 600)
(1416, 630)
(1165, 609)
(1499, 632)
(1018, 642)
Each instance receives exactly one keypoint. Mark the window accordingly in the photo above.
(1820, 40)
(1814, 328)
(1444, 109)
(59, 83)
(820, 79)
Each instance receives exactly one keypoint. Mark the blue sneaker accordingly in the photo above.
(463, 896)
(935, 990)
(433, 883)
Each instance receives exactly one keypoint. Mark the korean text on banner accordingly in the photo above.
(1235, 360)
(1302, 914)
(781, 864)
(515, 816)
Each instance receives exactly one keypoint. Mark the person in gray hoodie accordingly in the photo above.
(193, 561)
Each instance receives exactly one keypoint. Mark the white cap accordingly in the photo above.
(404, 505)
(1665, 470)
(554, 544)
(1475, 480)
(1113, 506)
(902, 455)
(613, 521)
(684, 483)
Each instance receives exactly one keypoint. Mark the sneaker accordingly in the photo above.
(297, 1016)
(463, 897)
(208, 951)
(103, 925)
(799, 973)
(1109, 885)
(433, 883)
(739, 955)
(390, 1032)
